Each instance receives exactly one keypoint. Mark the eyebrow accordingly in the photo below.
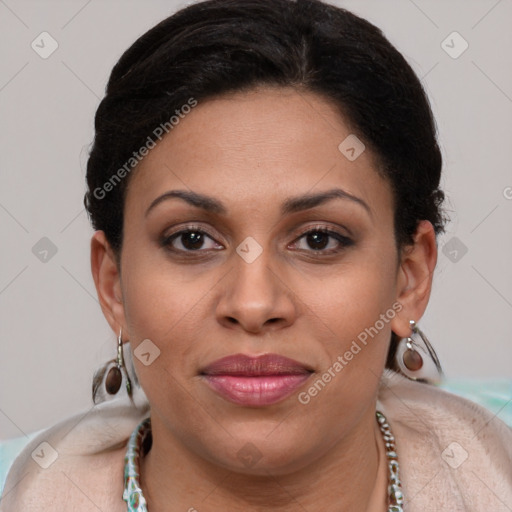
(290, 205)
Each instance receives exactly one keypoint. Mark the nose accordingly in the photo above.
(255, 296)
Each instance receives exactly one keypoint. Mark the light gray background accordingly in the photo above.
(52, 332)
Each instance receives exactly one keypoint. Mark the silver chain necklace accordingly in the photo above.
(395, 494)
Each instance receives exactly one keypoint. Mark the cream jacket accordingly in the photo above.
(454, 455)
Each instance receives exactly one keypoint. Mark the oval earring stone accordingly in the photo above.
(412, 360)
(113, 380)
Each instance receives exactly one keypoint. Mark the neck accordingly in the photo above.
(351, 476)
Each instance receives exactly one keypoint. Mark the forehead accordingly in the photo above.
(254, 148)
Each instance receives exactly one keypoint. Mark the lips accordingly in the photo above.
(255, 381)
(247, 366)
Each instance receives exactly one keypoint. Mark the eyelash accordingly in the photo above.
(344, 241)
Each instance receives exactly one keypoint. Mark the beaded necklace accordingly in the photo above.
(136, 502)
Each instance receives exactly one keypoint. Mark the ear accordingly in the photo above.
(107, 279)
(414, 278)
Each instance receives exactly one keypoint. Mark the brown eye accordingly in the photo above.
(317, 240)
(190, 240)
(323, 240)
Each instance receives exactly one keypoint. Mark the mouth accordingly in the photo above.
(255, 381)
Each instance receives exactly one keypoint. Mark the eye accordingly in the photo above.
(191, 239)
(319, 239)
(323, 241)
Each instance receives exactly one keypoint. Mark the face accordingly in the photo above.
(261, 272)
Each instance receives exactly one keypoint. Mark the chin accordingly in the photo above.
(263, 452)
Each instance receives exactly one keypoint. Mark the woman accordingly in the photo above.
(264, 185)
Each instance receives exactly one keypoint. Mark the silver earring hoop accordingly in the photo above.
(109, 378)
(410, 360)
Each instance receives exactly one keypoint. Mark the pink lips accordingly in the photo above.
(255, 381)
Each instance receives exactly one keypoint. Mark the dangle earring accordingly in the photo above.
(411, 357)
(109, 378)
(410, 360)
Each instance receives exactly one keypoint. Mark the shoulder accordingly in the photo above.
(77, 464)
(449, 447)
(78, 483)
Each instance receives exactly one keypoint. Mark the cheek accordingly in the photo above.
(354, 296)
(360, 329)
(159, 295)
(165, 311)
(356, 309)
(354, 352)
(166, 306)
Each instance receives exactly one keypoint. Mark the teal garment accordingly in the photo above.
(495, 395)
(9, 450)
